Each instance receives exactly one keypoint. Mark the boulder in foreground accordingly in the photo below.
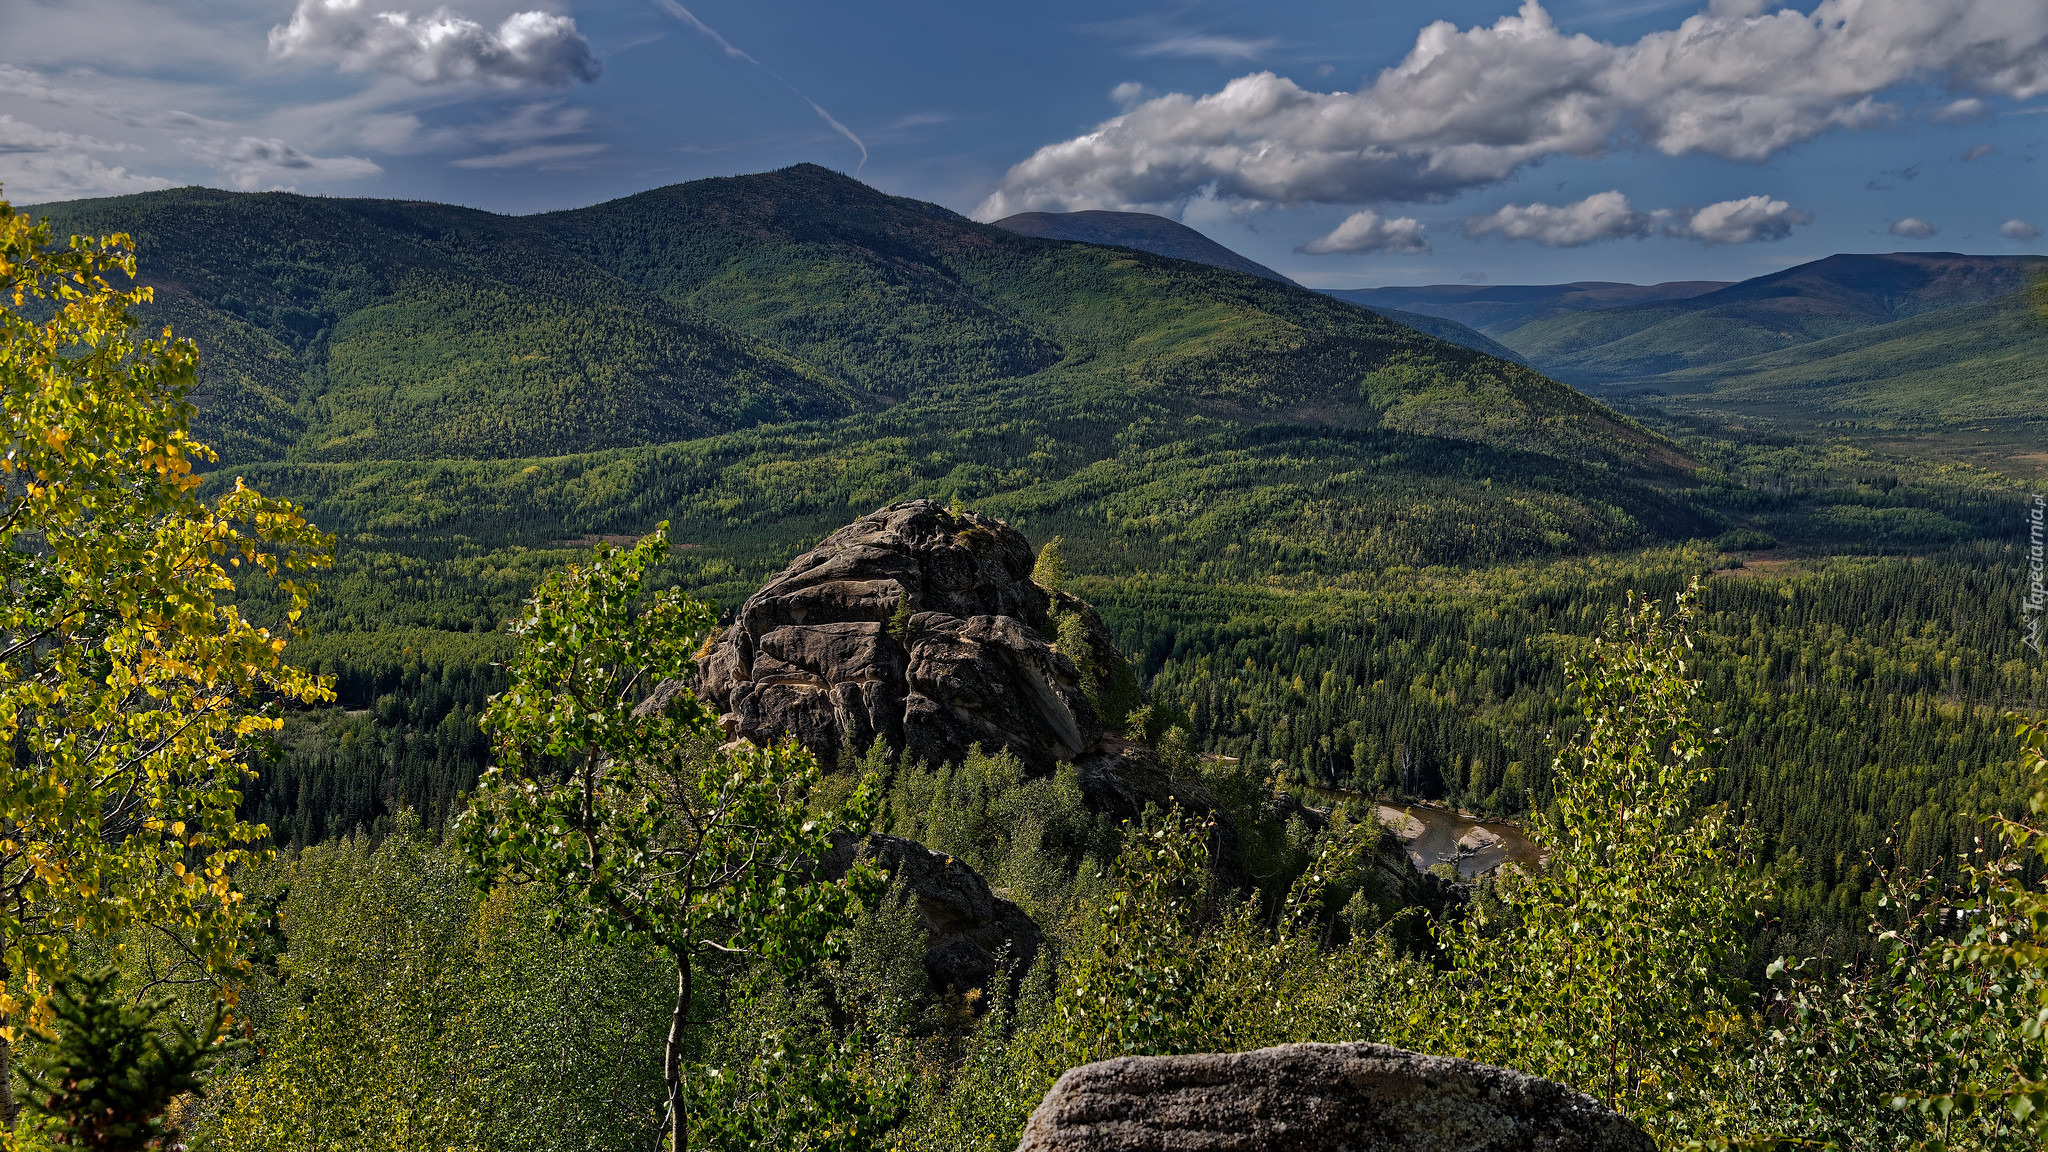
(1335, 1097)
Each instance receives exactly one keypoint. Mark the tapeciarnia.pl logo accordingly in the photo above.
(2037, 563)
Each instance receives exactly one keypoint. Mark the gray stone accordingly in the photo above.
(811, 656)
(967, 924)
(1334, 1097)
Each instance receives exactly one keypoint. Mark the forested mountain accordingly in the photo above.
(1163, 237)
(1972, 365)
(1596, 334)
(345, 329)
(1497, 309)
(1141, 230)
(1449, 330)
(382, 330)
(1333, 542)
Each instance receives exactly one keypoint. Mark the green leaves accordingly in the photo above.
(609, 792)
(1610, 969)
(128, 686)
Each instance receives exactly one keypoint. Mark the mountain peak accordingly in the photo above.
(1141, 230)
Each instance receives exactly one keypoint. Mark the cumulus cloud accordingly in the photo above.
(1469, 107)
(1601, 216)
(1977, 152)
(40, 177)
(1368, 231)
(1608, 216)
(1969, 108)
(2017, 229)
(527, 49)
(252, 163)
(1913, 228)
(1744, 221)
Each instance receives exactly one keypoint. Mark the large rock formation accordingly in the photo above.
(968, 925)
(920, 627)
(1340, 1097)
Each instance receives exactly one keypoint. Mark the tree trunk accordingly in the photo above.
(10, 1109)
(672, 1058)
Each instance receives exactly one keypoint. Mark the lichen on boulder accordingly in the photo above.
(1334, 1097)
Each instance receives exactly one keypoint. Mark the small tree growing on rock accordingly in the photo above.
(630, 816)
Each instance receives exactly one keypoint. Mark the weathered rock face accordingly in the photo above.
(968, 924)
(812, 656)
(1339, 1097)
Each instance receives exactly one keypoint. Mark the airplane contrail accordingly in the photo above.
(708, 32)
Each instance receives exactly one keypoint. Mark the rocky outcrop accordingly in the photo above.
(1353, 1097)
(968, 925)
(920, 627)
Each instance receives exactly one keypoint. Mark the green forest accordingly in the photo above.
(1342, 557)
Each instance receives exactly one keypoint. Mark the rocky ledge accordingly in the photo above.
(920, 627)
(967, 925)
(1337, 1097)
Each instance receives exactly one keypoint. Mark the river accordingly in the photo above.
(1434, 836)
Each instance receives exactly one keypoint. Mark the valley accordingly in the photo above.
(1325, 549)
(1334, 544)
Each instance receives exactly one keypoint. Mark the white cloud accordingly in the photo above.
(1601, 216)
(1368, 231)
(39, 164)
(533, 155)
(1608, 216)
(1970, 108)
(1471, 107)
(528, 48)
(255, 163)
(1913, 228)
(2018, 230)
(1206, 46)
(1743, 221)
(1157, 35)
(1977, 152)
(40, 177)
(21, 136)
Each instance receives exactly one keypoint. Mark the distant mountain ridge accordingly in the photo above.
(1163, 237)
(1813, 301)
(1497, 309)
(1598, 334)
(1141, 230)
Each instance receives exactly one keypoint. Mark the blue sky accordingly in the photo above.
(1345, 144)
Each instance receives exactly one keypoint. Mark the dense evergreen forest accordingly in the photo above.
(1339, 553)
(1373, 585)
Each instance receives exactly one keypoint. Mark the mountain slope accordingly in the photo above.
(1140, 230)
(1497, 309)
(918, 301)
(351, 329)
(1447, 330)
(1163, 237)
(754, 357)
(1972, 364)
(1815, 301)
